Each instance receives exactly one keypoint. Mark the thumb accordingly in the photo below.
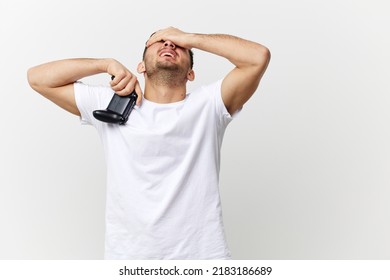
(138, 90)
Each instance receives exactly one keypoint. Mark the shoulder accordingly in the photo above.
(210, 87)
(206, 92)
(87, 93)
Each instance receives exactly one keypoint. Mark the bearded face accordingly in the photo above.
(167, 63)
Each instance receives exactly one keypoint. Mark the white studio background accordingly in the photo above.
(305, 167)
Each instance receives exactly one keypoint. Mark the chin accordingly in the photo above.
(166, 65)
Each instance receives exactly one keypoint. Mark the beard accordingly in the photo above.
(166, 73)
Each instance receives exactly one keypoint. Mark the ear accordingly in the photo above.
(141, 67)
(191, 75)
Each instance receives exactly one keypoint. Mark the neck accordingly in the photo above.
(164, 93)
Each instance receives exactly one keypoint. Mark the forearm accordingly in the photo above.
(242, 53)
(63, 72)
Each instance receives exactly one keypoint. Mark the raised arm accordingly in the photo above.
(250, 59)
(54, 80)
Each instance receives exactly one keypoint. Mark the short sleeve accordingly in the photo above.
(224, 115)
(90, 98)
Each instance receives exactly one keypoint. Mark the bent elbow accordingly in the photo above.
(261, 60)
(31, 78)
(264, 56)
(267, 53)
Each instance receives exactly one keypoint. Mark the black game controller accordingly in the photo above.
(118, 110)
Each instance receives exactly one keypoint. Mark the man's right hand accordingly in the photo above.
(124, 82)
(54, 80)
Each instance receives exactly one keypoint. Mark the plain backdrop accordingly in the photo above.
(305, 166)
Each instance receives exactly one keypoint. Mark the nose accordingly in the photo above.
(169, 44)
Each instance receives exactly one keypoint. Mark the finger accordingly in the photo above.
(128, 88)
(155, 37)
(153, 40)
(122, 83)
(114, 80)
(146, 44)
(117, 78)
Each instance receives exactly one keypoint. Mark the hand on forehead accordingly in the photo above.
(168, 34)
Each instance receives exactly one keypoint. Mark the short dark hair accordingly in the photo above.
(191, 57)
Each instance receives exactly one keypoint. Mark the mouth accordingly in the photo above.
(168, 53)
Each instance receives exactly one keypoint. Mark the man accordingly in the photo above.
(163, 164)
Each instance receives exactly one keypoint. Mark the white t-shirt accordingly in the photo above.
(162, 175)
